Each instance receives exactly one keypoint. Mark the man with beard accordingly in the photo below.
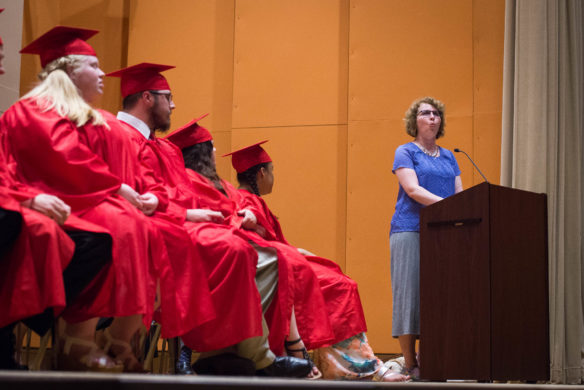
(231, 263)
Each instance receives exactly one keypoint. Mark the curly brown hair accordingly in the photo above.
(412, 115)
(199, 158)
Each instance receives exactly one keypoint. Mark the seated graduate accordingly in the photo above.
(300, 300)
(230, 263)
(184, 296)
(42, 267)
(40, 137)
(350, 357)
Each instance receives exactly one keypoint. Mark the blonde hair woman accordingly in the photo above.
(40, 139)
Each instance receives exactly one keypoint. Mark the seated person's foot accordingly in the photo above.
(297, 349)
(83, 355)
(287, 366)
(183, 363)
(122, 352)
(228, 364)
(384, 374)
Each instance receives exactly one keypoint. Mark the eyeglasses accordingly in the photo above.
(429, 112)
(168, 96)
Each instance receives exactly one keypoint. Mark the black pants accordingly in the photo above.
(93, 251)
(10, 225)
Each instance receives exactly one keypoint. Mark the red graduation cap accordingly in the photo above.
(190, 134)
(1, 43)
(61, 41)
(142, 77)
(247, 157)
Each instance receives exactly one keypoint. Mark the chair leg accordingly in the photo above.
(152, 347)
(36, 365)
(162, 361)
(173, 351)
(27, 347)
(19, 333)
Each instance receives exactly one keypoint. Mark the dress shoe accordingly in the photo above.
(227, 364)
(183, 363)
(183, 368)
(287, 366)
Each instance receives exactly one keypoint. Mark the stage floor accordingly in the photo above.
(48, 380)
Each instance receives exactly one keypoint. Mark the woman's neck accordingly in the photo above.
(246, 187)
(428, 144)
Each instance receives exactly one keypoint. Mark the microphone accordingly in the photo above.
(475, 165)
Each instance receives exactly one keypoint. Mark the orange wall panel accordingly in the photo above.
(402, 50)
(290, 63)
(488, 38)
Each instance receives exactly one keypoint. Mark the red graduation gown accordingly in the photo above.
(31, 272)
(44, 152)
(229, 261)
(185, 297)
(340, 292)
(297, 283)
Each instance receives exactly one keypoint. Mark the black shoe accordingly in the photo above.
(287, 366)
(183, 368)
(227, 364)
(183, 363)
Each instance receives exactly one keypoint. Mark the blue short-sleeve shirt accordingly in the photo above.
(436, 174)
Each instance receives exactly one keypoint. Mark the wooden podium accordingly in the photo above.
(483, 286)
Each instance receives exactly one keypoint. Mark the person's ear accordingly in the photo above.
(147, 98)
(260, 174)
(264, 171)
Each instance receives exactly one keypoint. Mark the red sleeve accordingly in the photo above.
(263, 214)
(154, 160)
(45, 153)
(149, 181)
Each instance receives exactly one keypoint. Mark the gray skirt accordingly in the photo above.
(405, 283)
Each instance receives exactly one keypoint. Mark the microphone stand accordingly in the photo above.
(475, 165)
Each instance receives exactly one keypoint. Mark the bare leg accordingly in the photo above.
(83, 330)
(124, 328)
(295, 335)
(78, 349)
(407, 343)
(118, 337)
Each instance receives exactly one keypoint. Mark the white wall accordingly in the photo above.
(11, 33)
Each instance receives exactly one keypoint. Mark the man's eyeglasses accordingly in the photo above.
(428, 113)
(168, 95)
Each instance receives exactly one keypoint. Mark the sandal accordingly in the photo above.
(305, 355)
(95, 360)
(384, 374)
(413, 373)
(126, 357)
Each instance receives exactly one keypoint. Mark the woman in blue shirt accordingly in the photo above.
(426, 173)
